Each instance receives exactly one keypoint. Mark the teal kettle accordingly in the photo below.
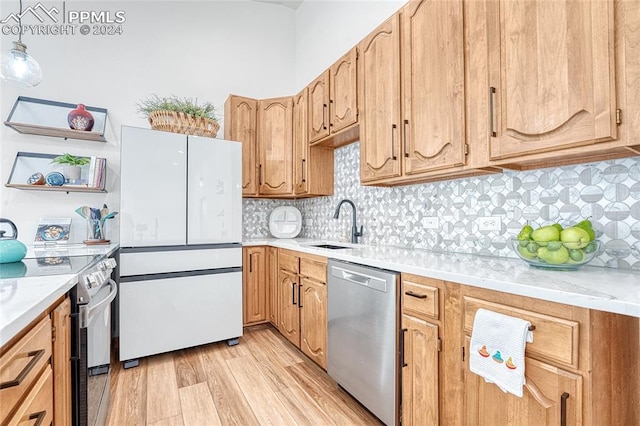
(11, 250)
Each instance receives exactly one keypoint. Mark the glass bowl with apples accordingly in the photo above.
(555, 247)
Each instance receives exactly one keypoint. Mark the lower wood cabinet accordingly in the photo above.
(582, 367)
(302, 282)
(35, 371)
(254, 285)
(420, 379)
(272, 285)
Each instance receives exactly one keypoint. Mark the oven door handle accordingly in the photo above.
(86, 312)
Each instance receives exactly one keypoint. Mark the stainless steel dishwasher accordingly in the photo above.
(362, 336)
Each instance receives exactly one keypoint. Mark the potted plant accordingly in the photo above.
(180, 115)
(71, 164)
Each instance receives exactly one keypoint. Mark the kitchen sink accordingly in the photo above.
(327, 246)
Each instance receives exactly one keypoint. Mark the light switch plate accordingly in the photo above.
(430, 222)
(489, 223)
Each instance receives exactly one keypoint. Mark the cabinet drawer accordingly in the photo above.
(313, 269)
(37, 407)
(420, 299)
(22, 363)
(287, 261)
(554, 338)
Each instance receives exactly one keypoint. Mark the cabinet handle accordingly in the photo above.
(402, 338)
(404, 138)
(324, 115)
(330, 115)
(250, 262)
(260, 175)
(563, 409)
(303, 170)
(39, 417)
(293, 293)
(299, 298)
(416, 295)
(393, 142)
(36, 355)
(492, 91)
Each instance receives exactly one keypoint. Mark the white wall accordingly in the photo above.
(326, 29)
(196, 49)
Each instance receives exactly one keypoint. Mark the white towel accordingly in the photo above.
(497, 349)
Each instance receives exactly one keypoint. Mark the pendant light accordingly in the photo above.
(16, 66)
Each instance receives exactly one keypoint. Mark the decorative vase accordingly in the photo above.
(80, 119)
(71, 173)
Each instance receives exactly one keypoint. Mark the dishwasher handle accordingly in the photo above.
(369, 281)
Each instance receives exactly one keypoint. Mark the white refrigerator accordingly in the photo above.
(181, 242)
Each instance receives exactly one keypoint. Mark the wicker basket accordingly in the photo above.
(179, 122)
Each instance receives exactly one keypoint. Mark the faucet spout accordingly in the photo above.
(354, 227)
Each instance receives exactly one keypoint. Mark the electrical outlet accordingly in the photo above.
(489, 223)
(430, 222)
(262, 216)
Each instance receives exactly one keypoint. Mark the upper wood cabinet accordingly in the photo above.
(333, 103)
(432, 59)
(275, 135)
(413, 124)
(319, 107)
(240, 125)
(551, 75)
(312, 165)
(560, 85)
(379, 91)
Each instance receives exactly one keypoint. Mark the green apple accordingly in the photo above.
(558, 226)
(554, 245)
(554, 257)
(576, 255)
(587, 226)
(532, 247)
(526, 253)
(575, 238)
(525, 233)
(545, 234)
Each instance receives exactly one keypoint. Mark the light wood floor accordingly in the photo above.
(262, 381)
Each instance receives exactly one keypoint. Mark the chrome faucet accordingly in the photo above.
(354, 228)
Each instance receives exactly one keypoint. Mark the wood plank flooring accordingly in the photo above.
(264, 380)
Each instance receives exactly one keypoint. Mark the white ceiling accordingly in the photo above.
(292, 4)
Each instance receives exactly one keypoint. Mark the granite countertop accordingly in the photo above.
(23, 299)
(604, 289)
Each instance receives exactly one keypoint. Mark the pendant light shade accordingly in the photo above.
(17, 66)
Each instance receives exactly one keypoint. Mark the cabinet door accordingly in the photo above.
(153, 182)
(255, 285)
(433, 126)
(379, 94)
(272, 277)
(300, 145)
(343, 88)
(61, 322)
(319, 108)
(240, 122)
(275, 118)
(549, 395)
(419, 372)
(552, 69)
(313, 320)
(289, 311)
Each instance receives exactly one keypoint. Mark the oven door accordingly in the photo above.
(95, 350)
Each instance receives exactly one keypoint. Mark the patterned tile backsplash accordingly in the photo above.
(606, 192)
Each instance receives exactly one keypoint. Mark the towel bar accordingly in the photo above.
(532, 327)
